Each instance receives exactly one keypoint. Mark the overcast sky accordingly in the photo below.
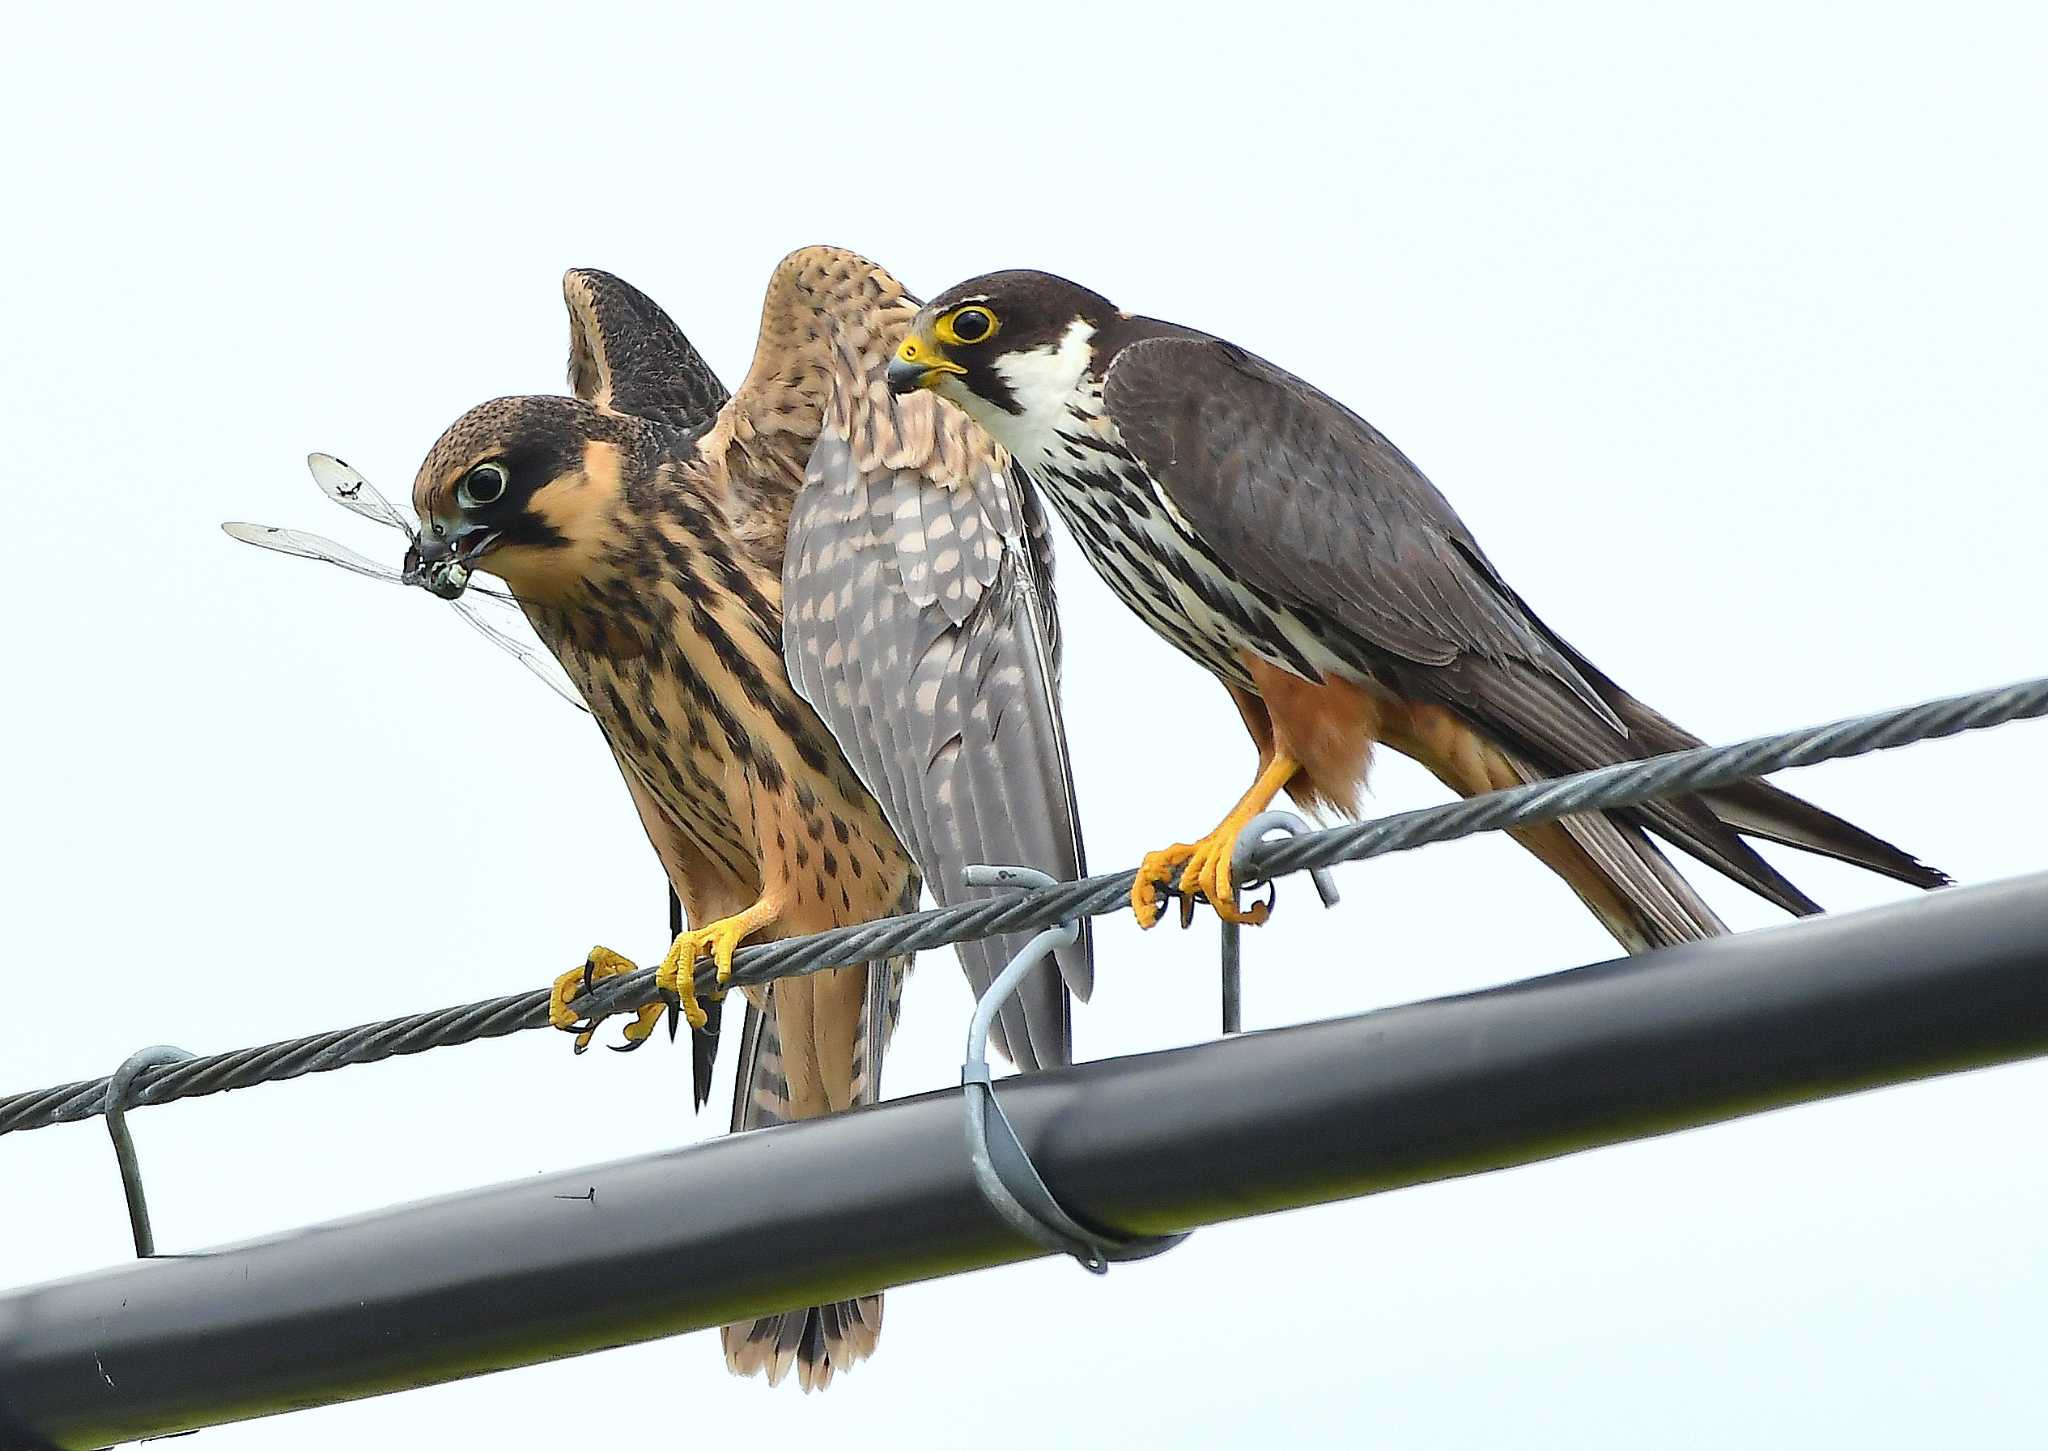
(1726, 338)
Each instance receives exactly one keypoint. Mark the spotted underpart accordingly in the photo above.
(670, 627)
(647, 529)
(674, 636)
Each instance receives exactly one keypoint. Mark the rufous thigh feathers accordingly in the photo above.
(1330, 728)
(1327, 727)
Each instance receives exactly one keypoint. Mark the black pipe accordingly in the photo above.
(743, 1225)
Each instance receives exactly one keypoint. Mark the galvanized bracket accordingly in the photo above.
(1004, 1173)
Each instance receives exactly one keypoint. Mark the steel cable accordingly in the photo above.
(1631, 783)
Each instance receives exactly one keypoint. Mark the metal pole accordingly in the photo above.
(752, 1223)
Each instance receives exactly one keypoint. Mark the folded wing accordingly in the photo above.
(918, 622)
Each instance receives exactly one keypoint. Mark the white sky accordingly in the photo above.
(1726, 338)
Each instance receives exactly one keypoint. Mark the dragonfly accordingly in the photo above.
(348, 488)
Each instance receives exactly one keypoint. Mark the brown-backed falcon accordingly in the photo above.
(1278, 539)
(673, 554)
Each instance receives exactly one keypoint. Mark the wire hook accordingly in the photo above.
(119, 1087)
(1004, 1173)
(1255, 831)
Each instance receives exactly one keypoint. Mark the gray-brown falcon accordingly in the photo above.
(672, 553)
(1278, 539)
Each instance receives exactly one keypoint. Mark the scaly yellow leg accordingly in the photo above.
(676, 974)
(1204, 866)
(720, 939)
(602, 963)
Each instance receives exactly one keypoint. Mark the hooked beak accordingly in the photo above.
(920, 362)
(441, 565)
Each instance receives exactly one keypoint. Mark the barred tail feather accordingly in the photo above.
(820, 1341)
(884, 1007)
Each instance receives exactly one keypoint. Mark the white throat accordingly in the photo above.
(1043, 383)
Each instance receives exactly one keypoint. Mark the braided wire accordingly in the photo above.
(1682, 772)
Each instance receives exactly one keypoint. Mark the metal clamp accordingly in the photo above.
(1004, 1173)
(119, 1088)
(1255, 831)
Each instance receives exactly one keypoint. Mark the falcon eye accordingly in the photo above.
(971, 324)
(484, 484)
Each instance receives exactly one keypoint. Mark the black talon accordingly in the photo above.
(674, 1014)
(631, 1045)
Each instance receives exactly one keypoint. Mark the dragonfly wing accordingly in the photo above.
(494, 595)
(538, 661)
(312, 546)
(348, 488)
(355, 493)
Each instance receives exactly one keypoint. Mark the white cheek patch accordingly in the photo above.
(1042, 383)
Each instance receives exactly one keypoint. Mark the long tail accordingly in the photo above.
(1614, 867)
(824, 1339)
(1761, 810)
(1611, 862)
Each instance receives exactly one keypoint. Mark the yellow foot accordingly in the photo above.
(1204, 866)
(719, 940)
(602, 963)
(1203, 871)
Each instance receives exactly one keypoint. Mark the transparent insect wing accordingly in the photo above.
(355, 493)
(358, 495)
(540, 663)
(313, 546)
(347, 487)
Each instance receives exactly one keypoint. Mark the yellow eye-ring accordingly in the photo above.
(967, 325)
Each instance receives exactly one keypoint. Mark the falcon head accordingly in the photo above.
(527, 488)
(1011, 348)
(522, 488)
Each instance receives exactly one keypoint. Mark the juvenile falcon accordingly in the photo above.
(1276, 538)
(643, 526)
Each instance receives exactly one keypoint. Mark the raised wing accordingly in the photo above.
(628, 356)
(918, 623)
